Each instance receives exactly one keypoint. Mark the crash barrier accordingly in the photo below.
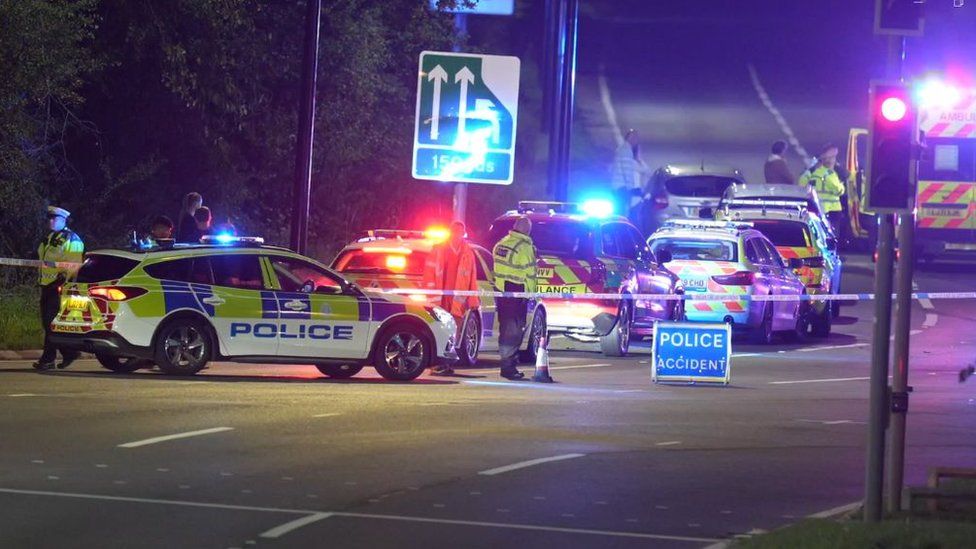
(665, 297)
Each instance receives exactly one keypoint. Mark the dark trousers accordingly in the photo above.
(511, 328)
(50, 304)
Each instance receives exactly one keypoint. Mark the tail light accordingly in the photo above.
(116, 293)
(740, 278)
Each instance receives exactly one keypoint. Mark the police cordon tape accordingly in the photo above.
(664, 297)
(36, 263)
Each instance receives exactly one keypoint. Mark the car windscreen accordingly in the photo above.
(381, 261)
(694, 249)
(561, 237)
(103, 267)
(784, 233)
(698, 186)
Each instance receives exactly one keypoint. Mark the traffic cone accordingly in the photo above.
(542, 363)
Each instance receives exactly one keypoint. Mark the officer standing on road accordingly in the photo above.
(823, 177)
(514, 259)
(61, 255)
(451, 266)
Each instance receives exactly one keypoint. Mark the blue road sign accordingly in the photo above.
(691, 352)
(467, 109)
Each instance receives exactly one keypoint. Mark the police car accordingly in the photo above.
(798, 233)
(585, 248)
(238, 300)
(714, 257)
(385, 260)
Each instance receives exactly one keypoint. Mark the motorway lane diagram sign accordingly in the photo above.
(691, 352)
(467, 109)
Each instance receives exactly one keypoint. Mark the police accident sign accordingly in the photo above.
(467, 109)
(691, 352)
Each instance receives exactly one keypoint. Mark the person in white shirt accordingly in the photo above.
(629, 172)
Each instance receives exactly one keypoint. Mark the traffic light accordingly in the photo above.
(891, 181)
(899, 17)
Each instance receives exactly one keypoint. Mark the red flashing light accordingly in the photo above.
(396, 262)
(437, 234)
(894, 109)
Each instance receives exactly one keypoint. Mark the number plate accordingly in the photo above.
(696, 283)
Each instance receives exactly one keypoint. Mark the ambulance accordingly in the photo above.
(945, 198)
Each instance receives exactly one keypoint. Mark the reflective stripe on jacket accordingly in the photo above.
(514, 258)
(62, 246)
(828, 185)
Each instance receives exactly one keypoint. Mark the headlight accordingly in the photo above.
(441, 315)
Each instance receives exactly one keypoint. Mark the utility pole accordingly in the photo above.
(460, 202)
(562, 23)
(306, 129)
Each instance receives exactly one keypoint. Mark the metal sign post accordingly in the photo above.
(306, 129)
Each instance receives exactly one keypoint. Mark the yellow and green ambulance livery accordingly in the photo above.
(238, 300)
(735, 263)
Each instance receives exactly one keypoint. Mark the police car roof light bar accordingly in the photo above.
(542, 206)
(798, 203)
(705, 224)
(375, 234)
(228, 240)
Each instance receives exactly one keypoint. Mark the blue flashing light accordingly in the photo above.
(597, 207)
(225, 238)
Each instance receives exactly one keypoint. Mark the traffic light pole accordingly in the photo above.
(878, 413)
(306, 129)
(899, 383)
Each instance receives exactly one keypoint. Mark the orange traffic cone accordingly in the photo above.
(542, 363)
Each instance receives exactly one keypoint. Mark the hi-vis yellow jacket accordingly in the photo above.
(58, 248)
(514, 258)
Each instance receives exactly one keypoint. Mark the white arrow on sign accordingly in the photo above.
(465, 77)
(439, 76)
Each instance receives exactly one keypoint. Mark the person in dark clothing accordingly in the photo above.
(186, 229)
(776, 170)
(204, 221)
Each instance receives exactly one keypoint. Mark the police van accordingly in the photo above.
(236, 299)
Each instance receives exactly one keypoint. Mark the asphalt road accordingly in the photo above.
(287, 458)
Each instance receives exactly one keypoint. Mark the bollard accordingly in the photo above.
(542, 363)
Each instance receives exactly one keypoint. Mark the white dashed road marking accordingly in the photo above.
(669, 443)
(829, 380)
(283, 529)
(176, 436)
(529, 463)
(930, 320)
(778, 116)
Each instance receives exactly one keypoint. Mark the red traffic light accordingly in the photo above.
(894, 109)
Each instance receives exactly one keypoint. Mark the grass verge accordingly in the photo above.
(20, 325)
(903, 533)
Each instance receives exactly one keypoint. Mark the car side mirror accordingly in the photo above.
(329, 290)
(796, 263)
(706, 213)
(664, 256)
(832, 244)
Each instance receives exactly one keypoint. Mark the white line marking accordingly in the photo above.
(530, 527)
(578, 366)
(836, 510)
(176, 436)
(608, 109)
(529, 463)
(930, 320)
(780, 120)
(668, 443)
(18, 395)
(330, 414)
(819, 380)
(179, 503)
(831, 422)
(915, 332)
(832, 347)
(283, 529)
(743, 355)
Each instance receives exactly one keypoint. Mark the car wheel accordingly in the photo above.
(122, 365)
(821, 323)
(470, 341)
(763, 333)
(799, 332)
(403, 352)
(339, 371)
(538, 329)
(617, 342)
(183, 346)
